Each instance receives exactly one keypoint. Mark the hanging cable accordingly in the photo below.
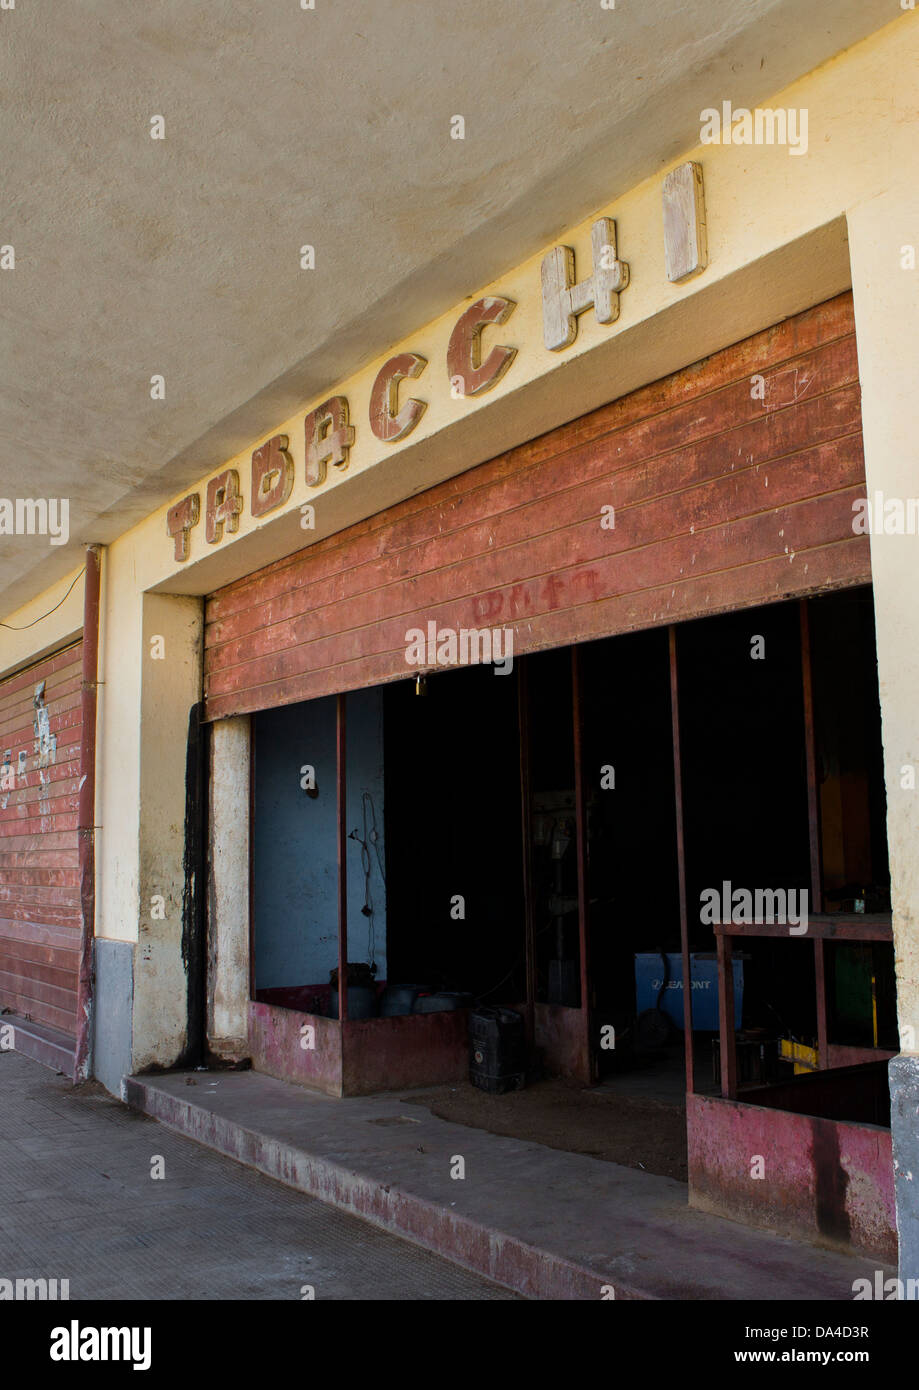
(369, 839)
(22, 627)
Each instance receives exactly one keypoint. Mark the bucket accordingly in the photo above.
(399, 999)
(362, 1002)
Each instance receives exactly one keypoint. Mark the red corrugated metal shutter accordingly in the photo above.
(39, 855)
(728, 492)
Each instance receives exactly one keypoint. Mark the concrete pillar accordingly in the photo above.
(885, 286)
(151, 681)
(171, 657)
(228, 890)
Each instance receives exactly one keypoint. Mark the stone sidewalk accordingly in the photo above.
(546, 1223)
(77, 1202)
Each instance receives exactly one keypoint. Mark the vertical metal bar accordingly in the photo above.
(820, 985)
(813, 824)
(726, 1016)
(581, 848)
(86, 815)
(523, 722)
(681, 862)
(342, 806)
(810, 750)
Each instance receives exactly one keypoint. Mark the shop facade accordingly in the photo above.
(447, 829)
(485, 669)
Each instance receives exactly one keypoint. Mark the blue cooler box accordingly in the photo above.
(649, 970)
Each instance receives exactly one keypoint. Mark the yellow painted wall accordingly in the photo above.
(777, 228)
(886, 299)
(863, 108)
(46, 622)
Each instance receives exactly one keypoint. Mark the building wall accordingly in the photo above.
(886, 298)
(761, 203)
(45, 623)
(150, 671)
(40, 911)
(722, 497)
(295, 840)
(784, 233)
(228, 888)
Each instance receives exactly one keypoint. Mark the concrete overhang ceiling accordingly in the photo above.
(286, 126)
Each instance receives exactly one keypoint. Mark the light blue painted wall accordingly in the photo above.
(295, 864)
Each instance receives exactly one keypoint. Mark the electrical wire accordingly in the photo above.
(12, 626)
(370, 838)
(374, 836)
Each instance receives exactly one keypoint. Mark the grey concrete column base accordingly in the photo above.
(113, 1032)
(904, 1125)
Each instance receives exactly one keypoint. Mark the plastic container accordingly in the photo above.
(497, 1050)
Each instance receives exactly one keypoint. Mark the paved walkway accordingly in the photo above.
(77, 1202)
(547, 1223)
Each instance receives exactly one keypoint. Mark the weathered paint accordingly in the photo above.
(40, 912)
(360, 1056)
(469, 374)
(685, 233)
(222, 506)
(388, 421)
(329, 436)
(86, 829)
(886, 305)
(272, 475)
(228, 896)
(279, 1044)
(561, 1036)
(587, 123)
(722, 500)
(385, 1054)
(567, 293)
(552, 1224)
(167, 692)
(904, 1107)
(778, 243)
(180, 519)
(828, 1181)
(508, 1260)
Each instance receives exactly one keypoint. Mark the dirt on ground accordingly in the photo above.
(645, 1134)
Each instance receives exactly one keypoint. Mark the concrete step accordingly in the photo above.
(548, 1224)
(42, 1043)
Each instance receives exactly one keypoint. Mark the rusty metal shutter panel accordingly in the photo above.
(39, 853)
(723, 500)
